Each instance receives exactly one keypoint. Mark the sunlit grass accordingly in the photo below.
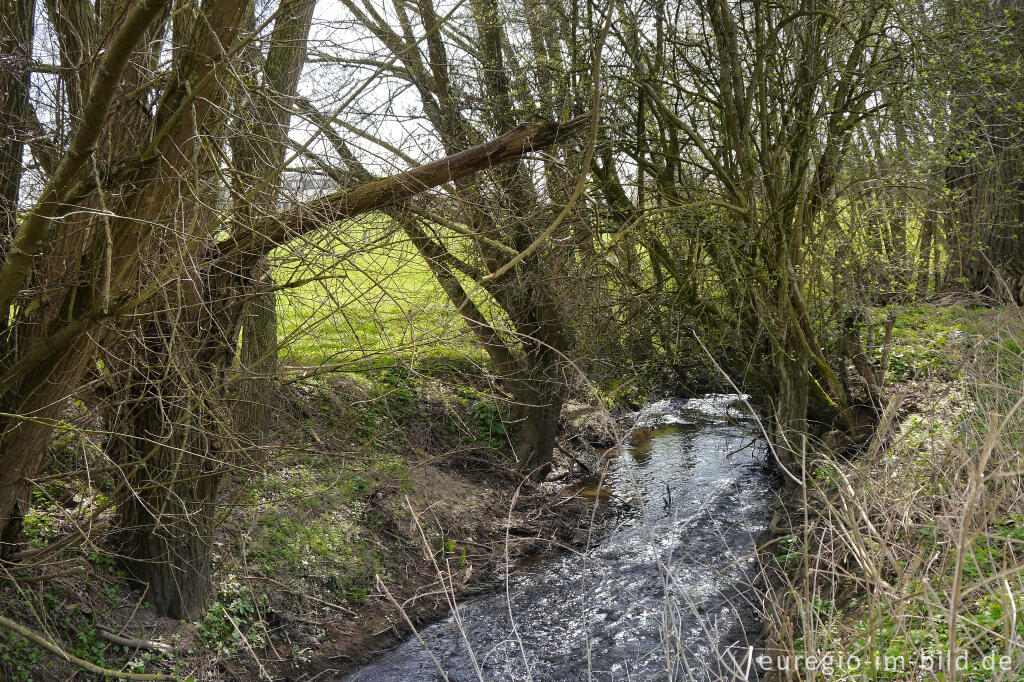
(361, 294)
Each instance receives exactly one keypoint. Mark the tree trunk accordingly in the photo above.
(258, 360)
(23, 442)
(985, 159)
(166, 519)
(985, 250)
(790, 420)
(539, 401)
(924, 252)
(16, 31)
(539, 388)
(262, 160)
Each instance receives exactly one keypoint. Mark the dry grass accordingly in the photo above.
(910, 557)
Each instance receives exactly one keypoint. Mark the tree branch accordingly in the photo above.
(271, 232)
(33, 231)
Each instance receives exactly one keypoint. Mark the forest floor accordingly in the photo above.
(388, 459)
(905, 556)
(376, 489)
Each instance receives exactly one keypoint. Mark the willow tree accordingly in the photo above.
(129, 274)
(759, 105)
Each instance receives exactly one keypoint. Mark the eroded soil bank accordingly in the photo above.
(378, 489)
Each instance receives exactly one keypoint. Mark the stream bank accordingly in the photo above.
(668, 590)
(437, 507)
(903, 549)
(376, 473)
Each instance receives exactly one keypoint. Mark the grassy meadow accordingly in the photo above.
(361, 295)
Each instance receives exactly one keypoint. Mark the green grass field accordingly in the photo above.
(361, 295)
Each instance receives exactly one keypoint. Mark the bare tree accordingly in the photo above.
(129, 272)
(755, 106)
(501, 223)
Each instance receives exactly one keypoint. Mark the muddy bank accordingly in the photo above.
(462, 551)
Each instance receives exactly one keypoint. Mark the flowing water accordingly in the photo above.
(664, 593)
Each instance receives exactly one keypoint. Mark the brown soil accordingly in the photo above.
(472, 512)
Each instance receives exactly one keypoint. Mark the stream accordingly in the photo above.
(663, 593)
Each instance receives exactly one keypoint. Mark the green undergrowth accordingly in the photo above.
(915, 548)
(71, 613)
(319, 523)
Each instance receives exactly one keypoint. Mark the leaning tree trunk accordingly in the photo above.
(23, 442)
(534, 378)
